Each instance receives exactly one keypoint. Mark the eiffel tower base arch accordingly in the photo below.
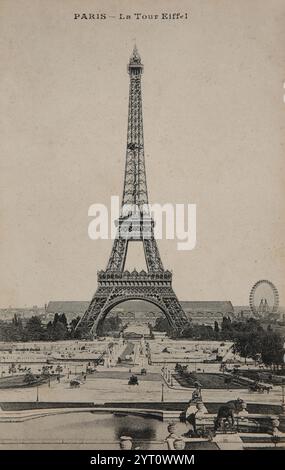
(115, 288)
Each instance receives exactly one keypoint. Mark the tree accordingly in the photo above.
(203, 332)
(12, 331)
(112, 323)
(34, 330)
(272, 351)
(55, 319)
(29, 378)
(162, 324)
(45, 371)
(62, 319)
(17, 321)
(49, 331)
(188, 332)
(248, 344)
(226, 328)
(59, 331)
(216, 328)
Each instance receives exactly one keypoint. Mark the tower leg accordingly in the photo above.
(118, 255)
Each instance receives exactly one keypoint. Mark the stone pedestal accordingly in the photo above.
(126, 443)
(229, 441)
(275, 425)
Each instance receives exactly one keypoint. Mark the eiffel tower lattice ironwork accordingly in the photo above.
(135, 224)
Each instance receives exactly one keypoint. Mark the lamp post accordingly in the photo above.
(283, 384)
(37, 393)
(162, 392)
(283, 396)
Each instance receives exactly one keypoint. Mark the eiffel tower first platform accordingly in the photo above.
(135, 224)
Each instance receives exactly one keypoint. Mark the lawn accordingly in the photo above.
(208, 380)
(263, 376)
(17, 381)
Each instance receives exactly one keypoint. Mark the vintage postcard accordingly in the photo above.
(142, 177)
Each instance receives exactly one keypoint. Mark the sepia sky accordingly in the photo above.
(214, 136)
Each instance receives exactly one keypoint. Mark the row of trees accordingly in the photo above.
(194, 331)
(34, 330)
(250, 339)
(58, 329)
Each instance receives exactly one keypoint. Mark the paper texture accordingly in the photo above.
(213, 129)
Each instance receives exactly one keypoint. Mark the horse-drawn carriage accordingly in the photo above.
(133, 380)
(259, 387)
(74, 383)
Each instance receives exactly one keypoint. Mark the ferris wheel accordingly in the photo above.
(264, 298)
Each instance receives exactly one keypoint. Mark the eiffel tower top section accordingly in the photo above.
(135, 67)
(135, 187)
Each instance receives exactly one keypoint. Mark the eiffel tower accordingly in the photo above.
(135, 224)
